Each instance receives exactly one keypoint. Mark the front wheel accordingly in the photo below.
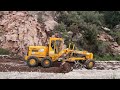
(32, 61)
(89, 64)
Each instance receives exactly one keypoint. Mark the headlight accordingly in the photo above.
(88, 53)
(33, 52)
(41, 50)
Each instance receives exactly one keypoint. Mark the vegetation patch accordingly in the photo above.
(4, 51)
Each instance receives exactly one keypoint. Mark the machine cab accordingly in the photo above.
(55, 46)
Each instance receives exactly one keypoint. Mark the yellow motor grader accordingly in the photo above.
(47, 55)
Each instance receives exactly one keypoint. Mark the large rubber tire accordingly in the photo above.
(89, 64)
(46, 62)
(32, 61)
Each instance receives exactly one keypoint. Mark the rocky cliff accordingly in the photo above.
(19, 29)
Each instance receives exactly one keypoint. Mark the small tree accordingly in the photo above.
(90, 34)
(102, 48)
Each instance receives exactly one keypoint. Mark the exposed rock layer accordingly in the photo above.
(19, 29)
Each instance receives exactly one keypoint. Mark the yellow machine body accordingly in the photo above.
(55, 51)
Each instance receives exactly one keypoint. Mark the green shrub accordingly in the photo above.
(115, 35)
(107, 57)
(93, 17)
(102, 48)
(112, 18)
(4, 51)
(88, 23)
(60, 28)
(117, 57)
(69, 18)
(90, 34)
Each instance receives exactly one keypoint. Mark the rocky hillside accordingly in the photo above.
(97, 32)
(19, 29)
(113, 46)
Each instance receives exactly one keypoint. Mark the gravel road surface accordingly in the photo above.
(75, 74)
(16, 69)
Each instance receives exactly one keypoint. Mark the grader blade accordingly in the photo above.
(66, 67)
(77, 65)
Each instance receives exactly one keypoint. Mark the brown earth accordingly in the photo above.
(8, 65)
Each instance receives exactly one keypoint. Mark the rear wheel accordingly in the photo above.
(89, 64)
(46, 62)
(32, 61)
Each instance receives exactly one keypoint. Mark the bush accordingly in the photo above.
(69, 18)
(116, 36)
(88, 23)
(3, 51)
(90, 34)
(102, 48)
(117, 57)
(112, 18)
(93, 17)
(84, 22)
(60, 28)
(107, 57)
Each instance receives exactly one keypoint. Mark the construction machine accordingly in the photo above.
(47, 55)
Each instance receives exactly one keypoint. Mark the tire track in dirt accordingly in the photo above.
(8, 65)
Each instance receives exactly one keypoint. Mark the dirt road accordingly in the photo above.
(16, 69)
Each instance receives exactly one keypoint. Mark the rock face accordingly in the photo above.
(48, 17)
(19, 29)
(115, 48)
(105, 37)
